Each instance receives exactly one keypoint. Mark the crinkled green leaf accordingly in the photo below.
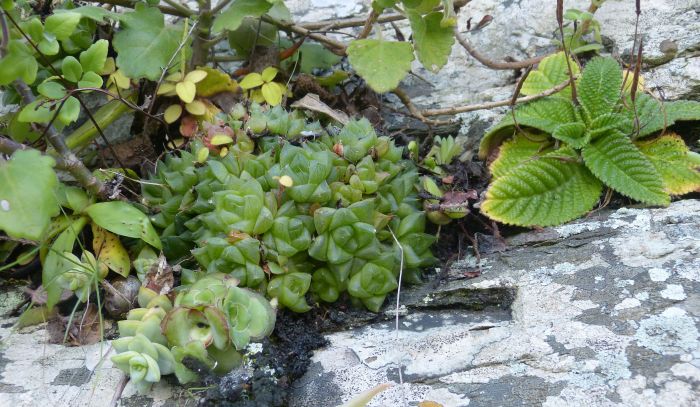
(655, 116)
(544, 114)
(550, 72)
(383, 64)
(518, 150)
(433, 42)
(145, 44)
(671, 158)
(573, 134)
(620, 165)
(599, 86)
(547, 191)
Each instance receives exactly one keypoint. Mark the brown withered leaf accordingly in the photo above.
(84, 328)
(160, 277)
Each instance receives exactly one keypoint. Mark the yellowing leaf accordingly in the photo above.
(166, 88)
(286, 181)
(269, 73)
(196, 76)
(109, 250)
(174, 77)
(272, 93)
(252, 80)
(172, 113)
(186, 91)
(671, 158)
(220, 139)
(197, 108)
(215, 82)
(202, 154)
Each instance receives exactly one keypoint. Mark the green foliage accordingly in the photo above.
(145, 44)
(125, 220)
(433, 42)
(26, 177)
(576, 39)
(674, 162)
(557, 174)
(231, 18)
(209, 321)
(381, 63)
(297, 220)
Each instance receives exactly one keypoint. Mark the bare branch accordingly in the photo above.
(491, 105)
(335, 46)
(495, 64)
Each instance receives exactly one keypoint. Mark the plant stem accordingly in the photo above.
(491, 105)
(335, 46)
(495, 64)
(201, 44)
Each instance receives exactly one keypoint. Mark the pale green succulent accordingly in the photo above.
(82, 276)
(238, 256)
(143, 360)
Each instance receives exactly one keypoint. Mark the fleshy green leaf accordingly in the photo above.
(550, 72)
(231, 18)
(383, 64)
(27, 194)
(543, 192)
(620, 165)
(125, 220)
(93, 59)
(62, 25)
(144, 45)
(70, 111)
(272, 94)
(90, 80)
(544, 114)
(599, 86)
(52, 90)
(252, 80)
(670, 156)
(18, 63)
(433, 42)
(72, 70)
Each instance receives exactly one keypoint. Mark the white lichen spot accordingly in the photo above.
(657, 274)
(255, 348)
(686, 370)
(673, 292)
(669, 333)
(627, 303)
(642, 296)
(5, 205)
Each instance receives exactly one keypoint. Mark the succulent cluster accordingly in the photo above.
(299, 211)
(208, 324)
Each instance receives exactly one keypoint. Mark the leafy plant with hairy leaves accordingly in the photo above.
(560, 151)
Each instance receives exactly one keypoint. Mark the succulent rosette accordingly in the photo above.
(143, 360)
(345, 233)
(240, 208)
(291, 231)
(249, 314)
(290, 290)
(238, 256)
(374, 281)
(309, 171)
(355, 140)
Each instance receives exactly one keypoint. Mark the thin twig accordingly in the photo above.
(398, 300)
(495, 64)
(335, 46)
(369, 23)
(491, 105)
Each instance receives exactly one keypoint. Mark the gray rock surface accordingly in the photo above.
(601, 312)
(526, 28)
